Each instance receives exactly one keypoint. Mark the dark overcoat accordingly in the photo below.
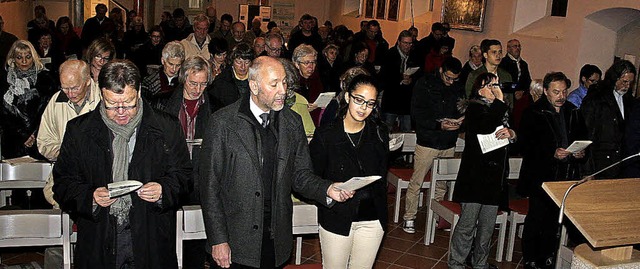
(85, 161)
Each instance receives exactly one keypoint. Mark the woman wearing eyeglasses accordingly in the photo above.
(354, 145)
(479, 184)
(100, 52)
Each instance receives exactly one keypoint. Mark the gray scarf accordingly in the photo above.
(120, 167)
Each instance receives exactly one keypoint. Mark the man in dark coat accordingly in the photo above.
(375, 42)
(396, 103)
(548, 127)
(605, 111)
(255, 154)
(96, 26)
(306, 35)
(193, 109)
(123, 140)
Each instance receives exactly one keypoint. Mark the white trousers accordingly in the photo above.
(356, 251)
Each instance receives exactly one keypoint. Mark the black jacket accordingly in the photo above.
(381, 46)
(172, 107)
(227, 89)
(335, 158)
(480, 178)
(397, 98)
(512, 67)
(539, 137)
(606, 128)
(432, 101)
(84, 164)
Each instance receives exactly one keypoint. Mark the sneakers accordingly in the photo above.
(409, 227)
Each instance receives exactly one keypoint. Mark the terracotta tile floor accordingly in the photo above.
(399, 249)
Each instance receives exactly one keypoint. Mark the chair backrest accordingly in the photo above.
(192, 219)
(409, 144)
(445, 169)
(459, 145)
(24, 175)
(514, 168)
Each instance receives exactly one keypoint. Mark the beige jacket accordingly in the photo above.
(53, 124)
(191, 47)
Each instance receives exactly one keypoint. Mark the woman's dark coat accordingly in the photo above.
(481, 175)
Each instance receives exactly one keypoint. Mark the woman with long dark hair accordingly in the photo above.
(354, 145)
(480, 178)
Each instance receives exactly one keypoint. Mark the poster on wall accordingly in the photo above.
(368, 9)
(380, 9)
(464, 14)
(283, 12)
(393, 10)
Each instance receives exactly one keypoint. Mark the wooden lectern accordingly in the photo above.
(607, 213)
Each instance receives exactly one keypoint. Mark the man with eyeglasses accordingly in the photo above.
(78, 95)
(396, 100)
(607, 109)
(233, 84)
(437, 120)
(492, 53)
(274, 46)
(193, 109)
(589, 75)
(124, 139)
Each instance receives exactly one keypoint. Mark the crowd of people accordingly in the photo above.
(214, 113)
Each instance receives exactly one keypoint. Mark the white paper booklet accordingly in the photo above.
(578, 145)
(356, 183)
(324, 99)
(123, 187)
(411, 70)
(490, 142)
(396, 141)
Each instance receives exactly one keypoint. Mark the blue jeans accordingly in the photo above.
(405, 121)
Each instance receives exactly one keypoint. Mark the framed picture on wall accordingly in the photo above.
(368, 8)
(464, 14)
(392, 15)
(380, 9)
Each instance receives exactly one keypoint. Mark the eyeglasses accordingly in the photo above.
(308, 63)
(274, 49)
(116, 108)
(100, 57)
(360, 101)
(70, 89)
(448, 78)
(194, 84)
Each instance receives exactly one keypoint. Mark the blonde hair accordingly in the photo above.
(22, 46)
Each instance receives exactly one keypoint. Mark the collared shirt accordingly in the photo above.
(404, 58)
(618, 97)
(255, 110)
(577, 95)
(517, 64)
(170, 79)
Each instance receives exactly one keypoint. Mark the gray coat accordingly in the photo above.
(231, 186)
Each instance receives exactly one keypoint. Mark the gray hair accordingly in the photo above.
(257, 65)
(474, 49)
(302, 51)
(194, 64)
(200, 18)
(173, 49)
(75, 67)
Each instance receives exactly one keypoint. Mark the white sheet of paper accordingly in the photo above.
(123, 187)
(578, 145)
(396, 141)
(356, 183)
(490, 142)
(411, 70)
(324, 99)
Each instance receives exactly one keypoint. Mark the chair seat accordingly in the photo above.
(400, 178)
(405, 174)
(521, 206)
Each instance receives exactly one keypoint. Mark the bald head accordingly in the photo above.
(75, 80)
(267, 83)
